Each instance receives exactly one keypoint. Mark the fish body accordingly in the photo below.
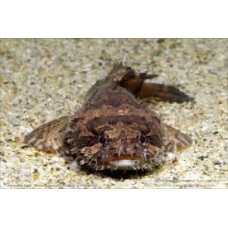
(115, 129)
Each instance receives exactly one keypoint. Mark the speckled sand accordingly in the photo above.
(43, 79)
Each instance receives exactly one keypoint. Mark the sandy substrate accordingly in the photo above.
(43, 79)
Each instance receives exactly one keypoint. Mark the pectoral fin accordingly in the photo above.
(48, 137)
(180, 139)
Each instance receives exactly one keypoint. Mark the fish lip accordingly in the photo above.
(125, 163)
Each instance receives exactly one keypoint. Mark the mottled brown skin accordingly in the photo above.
(114, 129)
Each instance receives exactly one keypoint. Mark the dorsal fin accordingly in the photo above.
(120, 72)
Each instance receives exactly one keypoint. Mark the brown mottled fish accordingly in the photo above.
(114, 129)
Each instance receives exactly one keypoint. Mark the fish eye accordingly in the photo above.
(142, 139)
(102, 139)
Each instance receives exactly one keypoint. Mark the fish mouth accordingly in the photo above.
(101, 161)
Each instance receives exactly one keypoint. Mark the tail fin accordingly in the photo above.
(126, 77)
